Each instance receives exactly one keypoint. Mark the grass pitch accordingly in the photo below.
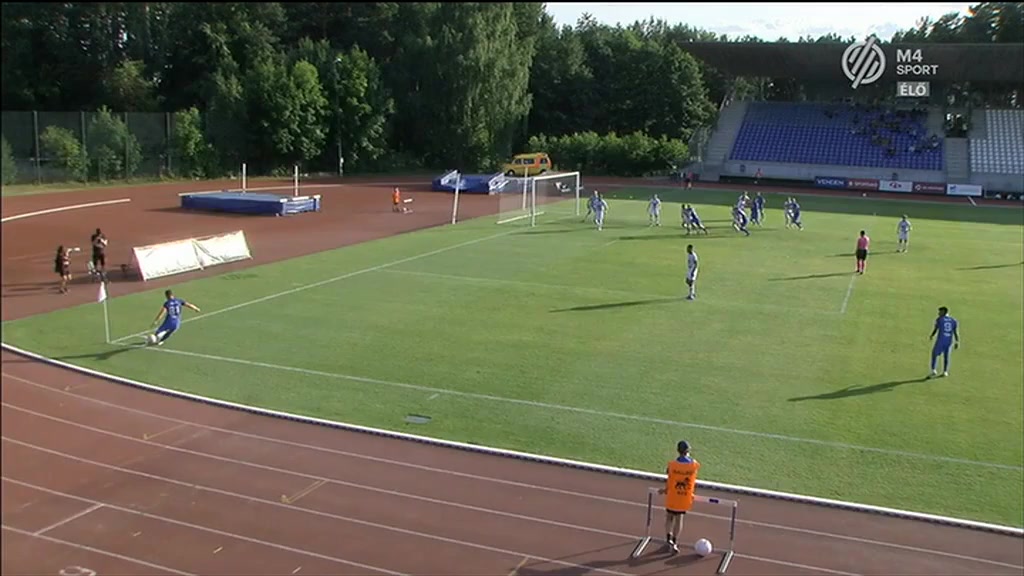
(787, 373)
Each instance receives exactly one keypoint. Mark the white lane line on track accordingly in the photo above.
(281, 505)
(85, 548)
(177, 522)
(391, 493)
(569, 493)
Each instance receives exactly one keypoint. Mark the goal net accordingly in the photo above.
(551, 196)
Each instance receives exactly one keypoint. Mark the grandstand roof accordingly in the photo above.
(979, 63)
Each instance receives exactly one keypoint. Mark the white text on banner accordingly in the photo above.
(895, 186)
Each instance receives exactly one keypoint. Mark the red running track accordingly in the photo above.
(103, 478)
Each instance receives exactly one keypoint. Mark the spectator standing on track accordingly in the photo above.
(62, 266)
(99, 253)
(680, 488)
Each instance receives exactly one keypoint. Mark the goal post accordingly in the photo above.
(523, 200)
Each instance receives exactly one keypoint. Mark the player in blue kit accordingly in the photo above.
(171, 313)
(691, 221)
(757, 210)
(739, 220)
(794, 214)
(949, 337)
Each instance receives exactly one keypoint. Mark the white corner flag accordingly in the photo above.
(106, 317)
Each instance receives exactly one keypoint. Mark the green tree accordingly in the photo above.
(362, 107)
(479, 66)
(191, 152)
(288, 110)
(128, 89)
(8, 168)
(308, 114)
(113, 150)
(62, 146)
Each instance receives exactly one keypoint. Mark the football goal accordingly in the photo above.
(523, 200)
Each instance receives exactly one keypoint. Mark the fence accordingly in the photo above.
(22, 130)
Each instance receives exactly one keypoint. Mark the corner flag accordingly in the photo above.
(106, 315)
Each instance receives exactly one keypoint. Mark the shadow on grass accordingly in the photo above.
(718, 233)
(612, 305)
(102, 356)
(870, 255)
(811, 276)
(851, 391)
(993, 267)
(558, 231)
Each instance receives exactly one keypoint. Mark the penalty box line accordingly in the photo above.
(346, 276)
(337, 279)
(580, 410)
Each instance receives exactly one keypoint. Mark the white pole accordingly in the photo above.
(106, 319)
(526, 185)
(533, 207)
(296, 181)
(455, 203)
(577, 193)
(243, 177)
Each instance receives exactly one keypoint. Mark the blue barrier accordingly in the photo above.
(248, 203)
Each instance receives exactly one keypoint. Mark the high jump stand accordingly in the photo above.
(728, 553)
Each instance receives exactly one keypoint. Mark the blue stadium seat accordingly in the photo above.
(802, 133)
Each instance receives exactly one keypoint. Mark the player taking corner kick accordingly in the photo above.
(679, 491)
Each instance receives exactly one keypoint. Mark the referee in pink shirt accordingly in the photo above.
(862, 251)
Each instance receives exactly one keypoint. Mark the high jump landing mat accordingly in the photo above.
(250, 203)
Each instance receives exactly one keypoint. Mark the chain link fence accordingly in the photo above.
(23, 131)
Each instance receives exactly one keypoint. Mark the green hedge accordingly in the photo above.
(636, 154)
(9, 169)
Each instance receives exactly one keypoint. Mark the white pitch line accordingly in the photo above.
(63, 209)
(171, 520)
(590, 411)
(489, 479)
(491, 511)
(849, 290)
(274, 504)
(71, 518)
(53, 540)
(305, 287)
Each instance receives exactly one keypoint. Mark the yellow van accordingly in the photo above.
(528, 164)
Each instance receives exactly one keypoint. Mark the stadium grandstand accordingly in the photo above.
(924, 118)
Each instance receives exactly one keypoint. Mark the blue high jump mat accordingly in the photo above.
(250, 203)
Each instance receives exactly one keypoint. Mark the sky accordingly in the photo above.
(766, 20)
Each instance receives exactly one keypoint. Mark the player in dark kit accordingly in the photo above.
(99, 253)
(62, 266)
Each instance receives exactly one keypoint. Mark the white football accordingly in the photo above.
(703, 547)
(151, 339)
